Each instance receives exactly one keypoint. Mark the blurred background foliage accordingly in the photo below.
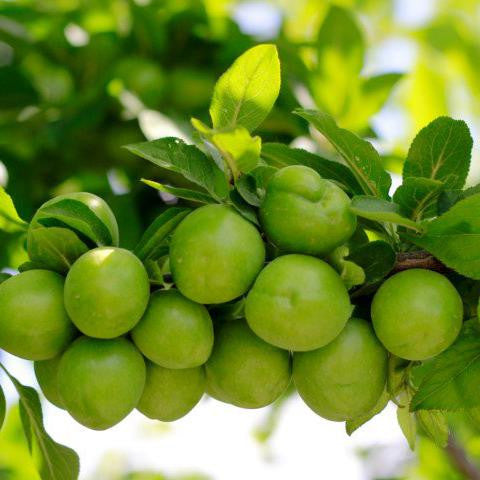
(81, 78)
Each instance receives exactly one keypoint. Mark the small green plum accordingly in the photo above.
(33, 321)
(46, 372)
(298, 303)
(170, 394)
(175, 332)
(215, 255)
(304, 213)
(417, 314)
(345, 378)
(101, 381)
(106, 292)
(243, 369)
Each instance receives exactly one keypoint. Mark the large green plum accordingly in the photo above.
(345, 378)
(298, 302)
(215, 255)
(46, 372)
(33, 321)
(106, 292)
(304, 213)
(37, 252)
(170, 394)
(175, 332)
(243, 369)
(101, 381)
(417, 314)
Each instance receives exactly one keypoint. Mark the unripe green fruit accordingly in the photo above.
(344, 379)
(170, 394)
(106, 292)
(215, 255)
(33, 321)
(243, 369)
(298, 303)
(101, 381)
(417, 314)
(304, 213)
(46, 372)
(175, 332)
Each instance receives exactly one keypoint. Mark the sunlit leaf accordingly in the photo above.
(185, 193)
(9, 219)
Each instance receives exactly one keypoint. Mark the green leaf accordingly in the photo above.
(417, 197)
(246, 92)
(380, 210)
(243, 208)
(279, 155)
(397, 377)
(351, 273)
(187, 160)
(356, 423)
(185, 193)
(153, 242)
(451, 381)
(55, 248)
(3, 407)
(78, 216)
(363, 160)
(408, 425)
(54, 461)
(449, 198)
(376, 258)
(252, 186)
(441, 151)
(454, 237)
(434, 425)
(228, 311)
(9, 220)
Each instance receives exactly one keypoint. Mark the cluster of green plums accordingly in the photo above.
(105, 342)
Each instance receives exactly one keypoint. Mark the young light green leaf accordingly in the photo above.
(363, 160)
(451, 381)
(356, 423)
(9, 220)
(187, 160)
(417, 197)
(454, 237)
(279, 155)
(351, 273)
(153, 242)
(55, 248)
(434, 424)
(408, 425)
(246, 92)
(380, 210)
(376, 258)
(185, 193)
(441, 151)
(251, 186)
(78, 216)
(54, 461)
(3, 407)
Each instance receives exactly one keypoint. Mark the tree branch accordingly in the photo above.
(459, 458)
(420, 259)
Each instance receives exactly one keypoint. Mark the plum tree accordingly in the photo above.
(298, 303)
(175, 332)
(243, 369)
(345, 378)
(215, 255)
(296, 193)
(417, 314)
(106, 292)
(33, 321)
(101, 381)
(170, 394)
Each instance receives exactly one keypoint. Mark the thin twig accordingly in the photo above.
(459, 458)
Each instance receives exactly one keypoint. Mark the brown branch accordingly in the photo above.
(420, 259)
(459, 458)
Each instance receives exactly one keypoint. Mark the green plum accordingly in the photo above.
(215, 255)
(304, 213)
(175, 332)
(170, 394)
(298, 303)
(243, 369)
(417, 314)
(344, 379)
(33, 321)
(46, 372)
(101, 381)
(106, 292)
